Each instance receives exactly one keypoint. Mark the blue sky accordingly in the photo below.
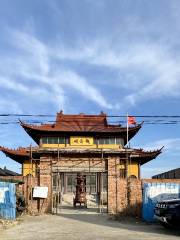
(86, 56)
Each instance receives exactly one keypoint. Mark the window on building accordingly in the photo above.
(106, 140)
(61, 140)
(44, 140)
(120, 141)
(53, 140)
(101, 141)
(110, 140)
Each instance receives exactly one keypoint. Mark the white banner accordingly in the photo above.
(40, 192)
(2, 194)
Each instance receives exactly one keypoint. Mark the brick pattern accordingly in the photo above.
(48, 165)
(160, 180)
(124, 196)
(78, 164)
(45, 173)
(134, 197)
(117, 188)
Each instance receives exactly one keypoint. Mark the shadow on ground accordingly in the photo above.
(92, 216)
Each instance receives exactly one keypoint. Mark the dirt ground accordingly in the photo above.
(81, 224)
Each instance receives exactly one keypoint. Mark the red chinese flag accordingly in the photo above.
(131, 120)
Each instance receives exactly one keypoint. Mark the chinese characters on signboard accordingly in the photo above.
(81, 141)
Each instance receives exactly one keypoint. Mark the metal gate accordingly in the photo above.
(62, 185)
(64, 181)
(7, 200)
(154, 192)
(56, 192)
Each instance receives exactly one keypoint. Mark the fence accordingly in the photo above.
(154, 192)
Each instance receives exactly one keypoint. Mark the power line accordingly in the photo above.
(93, 125)
(81, 116)
(147, 119)
(25, 115)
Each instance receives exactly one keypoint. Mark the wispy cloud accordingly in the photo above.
(150, 70)
(32, 48)
(85, 56)
(143, 50)
(34, 62)
(172, 145)
(6, 106)
(146, 69)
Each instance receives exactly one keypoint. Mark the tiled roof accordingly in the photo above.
(79, 123)
(7, 172)
(20, 154)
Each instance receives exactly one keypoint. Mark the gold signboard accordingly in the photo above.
(85, 141)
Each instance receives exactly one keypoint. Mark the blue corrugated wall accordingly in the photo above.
(154, 192)
(7, 200)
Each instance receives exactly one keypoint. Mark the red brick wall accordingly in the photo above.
(134, 197)
(45, 180)
(78, 164)
(160, 180)
(125, 196)
(117, 188)
(29, 183)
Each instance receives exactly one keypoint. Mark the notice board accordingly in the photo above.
(40, 192)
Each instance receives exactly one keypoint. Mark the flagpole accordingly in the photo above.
(127, 130)
(126, 148)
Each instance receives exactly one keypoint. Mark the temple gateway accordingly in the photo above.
(79, 159)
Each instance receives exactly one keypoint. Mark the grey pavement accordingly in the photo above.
(81, 224)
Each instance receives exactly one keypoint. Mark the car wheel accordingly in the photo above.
(166, 225)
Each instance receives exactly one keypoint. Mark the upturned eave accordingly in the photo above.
(38, 131)
(18, 155)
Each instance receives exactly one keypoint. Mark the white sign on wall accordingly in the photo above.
(162, 192)
(40, 192)
(2, 193)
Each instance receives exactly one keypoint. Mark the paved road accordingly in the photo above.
(81, 226)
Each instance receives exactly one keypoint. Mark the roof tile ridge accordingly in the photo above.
(147, 151)
(18, 149)
(22, 123)
(5, 148)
